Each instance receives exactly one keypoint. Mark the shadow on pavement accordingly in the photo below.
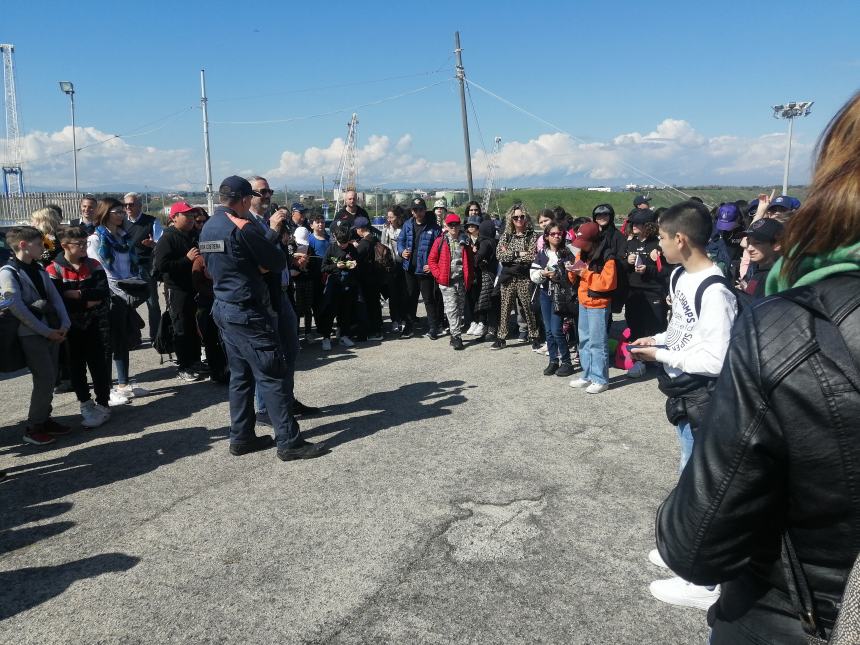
(412, 402)
(27, 588)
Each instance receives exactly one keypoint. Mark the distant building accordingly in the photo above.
(599, 189)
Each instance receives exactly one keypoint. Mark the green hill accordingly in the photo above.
(580, 202)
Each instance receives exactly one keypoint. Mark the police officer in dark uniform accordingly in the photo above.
(238, 253)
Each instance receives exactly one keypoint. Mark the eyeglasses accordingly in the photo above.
(553, 234)
(266, 191)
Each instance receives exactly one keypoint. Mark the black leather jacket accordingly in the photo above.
(779, 449)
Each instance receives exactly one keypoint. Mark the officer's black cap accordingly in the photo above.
(235, 187)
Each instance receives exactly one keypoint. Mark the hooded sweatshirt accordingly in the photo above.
(486, 256)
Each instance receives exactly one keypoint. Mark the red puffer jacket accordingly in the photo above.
(439, 261)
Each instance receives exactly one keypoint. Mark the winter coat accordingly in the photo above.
(655, 278)
(485, 258)
(440, 262)
(779, 449)
(431, 231)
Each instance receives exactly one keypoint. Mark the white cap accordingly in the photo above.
(440, 203)
(302, 235)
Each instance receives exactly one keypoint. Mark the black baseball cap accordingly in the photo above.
(765, 230)
(418, 203)
(641, 199)
(236, 187)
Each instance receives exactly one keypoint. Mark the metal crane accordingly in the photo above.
(346, 171)
(491, 172)
(12, 160)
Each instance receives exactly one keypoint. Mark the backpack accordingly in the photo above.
(163, 342)
(743, 299)
(383, 260)
(846, 630)
(12, 358)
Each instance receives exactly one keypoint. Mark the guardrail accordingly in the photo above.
(16, 209)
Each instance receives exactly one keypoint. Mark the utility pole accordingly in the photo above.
(210, 198)
(461, 77)
(322, 193)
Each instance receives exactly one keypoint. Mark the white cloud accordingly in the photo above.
(673, 152)
(47, 162)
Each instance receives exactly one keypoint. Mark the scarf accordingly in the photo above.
(815, 268)
(108, 245)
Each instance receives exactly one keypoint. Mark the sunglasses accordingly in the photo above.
(129, 204)
(553, 234)
(266, 191)
(115, 212)
(518, 217)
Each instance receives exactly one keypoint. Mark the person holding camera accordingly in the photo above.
(43, 324)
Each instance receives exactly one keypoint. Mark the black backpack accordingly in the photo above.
(743, 299)
(163, 342)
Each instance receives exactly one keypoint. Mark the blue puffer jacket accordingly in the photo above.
(431, 232)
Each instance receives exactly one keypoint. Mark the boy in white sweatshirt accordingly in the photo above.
(692, 350)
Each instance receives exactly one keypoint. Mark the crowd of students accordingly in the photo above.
(681, 275)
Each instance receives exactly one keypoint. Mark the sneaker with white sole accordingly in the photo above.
(540, 349)
(471, 330)
(637, 371)
(91, 417)
(326, 344)
(677, 591)
(346, 341)
(580, 383)
(104, 411)
(597, 388)
(117, 398)
(655, 559)
(480, 330)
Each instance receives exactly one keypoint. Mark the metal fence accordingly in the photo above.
(16, 209)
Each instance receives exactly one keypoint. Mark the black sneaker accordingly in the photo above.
(189, 376)
(536, 345)
(524, 336)
(303, 450)
(550, 369)
(300, 408)
(565, 369)
(254, 445)
(432, 334)
(457, 343)
(407, 332)
(499, 344)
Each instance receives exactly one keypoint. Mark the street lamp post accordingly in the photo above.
(68, 88)
(790, 111)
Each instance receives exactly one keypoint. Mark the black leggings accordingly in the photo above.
(87, 350)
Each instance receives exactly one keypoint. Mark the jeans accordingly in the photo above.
(592, 344)
(556, 341)
(685, 439)
(152, 305)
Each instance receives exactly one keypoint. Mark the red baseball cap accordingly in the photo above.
(180, 207)
(587, 233)
(453, 218)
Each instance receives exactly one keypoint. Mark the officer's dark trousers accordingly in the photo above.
(255, 354)
(426, 286)
(288, 329)
(183, 311)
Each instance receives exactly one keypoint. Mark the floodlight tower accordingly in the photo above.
(347, 173)
(491, 173)
(790, 111)
(12, 162)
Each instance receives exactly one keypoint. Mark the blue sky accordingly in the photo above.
(680, 91)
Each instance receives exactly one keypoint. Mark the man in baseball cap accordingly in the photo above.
(418, 204)
(235, 187)
(783, 204)
(641, 201)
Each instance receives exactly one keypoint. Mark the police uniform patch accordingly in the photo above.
(216, 246)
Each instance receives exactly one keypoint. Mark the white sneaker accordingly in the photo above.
(479, 330)
(130, 391)
(326, 344)
(637, 371)
(92, 418)
(580, 383)
(117, 398)
(105, 412)
(681, 593)
(597, 388)
(471, 330)
(346, 341)
(542, 349)
(655, 558)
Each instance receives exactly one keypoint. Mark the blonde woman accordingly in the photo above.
(516, 252)
(48, 220)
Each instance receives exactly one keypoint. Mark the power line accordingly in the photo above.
(574, 137)
(352, 108)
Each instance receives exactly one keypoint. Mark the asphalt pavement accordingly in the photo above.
(467, 499)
